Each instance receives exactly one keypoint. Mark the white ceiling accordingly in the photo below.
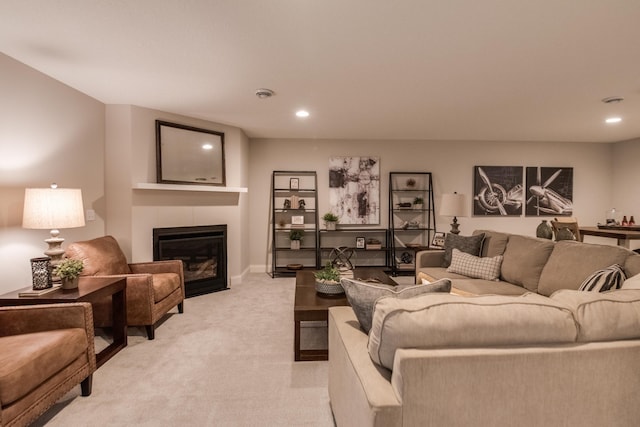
(365, 69)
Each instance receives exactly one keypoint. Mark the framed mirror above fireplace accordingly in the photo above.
(189, 155)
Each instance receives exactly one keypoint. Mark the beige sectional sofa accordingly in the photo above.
(529, 350)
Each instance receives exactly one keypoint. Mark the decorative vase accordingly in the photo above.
(544, 230)
(68, 283)
(295, 244)
(331, 225)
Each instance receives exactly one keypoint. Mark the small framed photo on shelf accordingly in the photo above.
(297, 220)
(294, 183)
(438, 239)
(360, 243)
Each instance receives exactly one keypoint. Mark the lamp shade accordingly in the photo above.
(453, 205)
(52, 208)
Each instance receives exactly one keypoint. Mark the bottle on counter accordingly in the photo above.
(632, 221)
(624, 221)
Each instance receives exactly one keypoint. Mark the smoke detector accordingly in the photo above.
(264, 93)
(613, 99)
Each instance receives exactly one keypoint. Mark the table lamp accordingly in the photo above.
(53, 208)
(453, 205)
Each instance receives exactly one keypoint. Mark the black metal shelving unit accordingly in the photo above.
(411, 226)
(288, 188)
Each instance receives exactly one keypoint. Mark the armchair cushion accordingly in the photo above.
(28, 360)
(101, 256)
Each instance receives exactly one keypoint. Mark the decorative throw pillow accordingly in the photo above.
(603, 280)
(476, 267)
(363, 295)
(468, 244)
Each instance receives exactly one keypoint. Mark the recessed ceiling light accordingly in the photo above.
(613, 120)
(207, 147)
(302, 113)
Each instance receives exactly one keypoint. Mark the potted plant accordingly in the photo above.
(69, 271)
(296, 236)
(328, 280)
(418, 202)
(411, 183)
(330, 220)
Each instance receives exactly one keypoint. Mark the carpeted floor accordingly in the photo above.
(227, 361)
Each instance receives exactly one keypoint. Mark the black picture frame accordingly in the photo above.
(360, 242)
(498, 191)
(438, 239)
(189, 155)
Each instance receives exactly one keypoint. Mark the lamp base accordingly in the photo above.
(454, 226)
(55, 252)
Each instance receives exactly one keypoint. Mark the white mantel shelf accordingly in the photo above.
(179, 187)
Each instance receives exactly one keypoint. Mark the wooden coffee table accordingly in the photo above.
(311, 306)
(90, 289)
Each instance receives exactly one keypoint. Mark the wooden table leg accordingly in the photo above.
(296, 341)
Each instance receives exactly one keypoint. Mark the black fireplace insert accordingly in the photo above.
(203, 251)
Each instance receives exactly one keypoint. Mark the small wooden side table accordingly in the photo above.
(90, 289)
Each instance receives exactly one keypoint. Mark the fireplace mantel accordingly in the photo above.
(180, 187)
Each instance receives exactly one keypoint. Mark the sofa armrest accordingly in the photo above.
(15, 320)
(429, 258)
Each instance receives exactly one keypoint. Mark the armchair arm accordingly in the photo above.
(15, 320)
(154, 267)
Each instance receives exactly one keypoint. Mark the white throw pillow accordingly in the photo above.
(475, 267)
(632, 282)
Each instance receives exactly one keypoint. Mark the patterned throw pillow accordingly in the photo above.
(603, 280)
(475, 267)
(468, 244)
(363, 295)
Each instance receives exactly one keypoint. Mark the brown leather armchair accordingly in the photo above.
(153, 288)
(46, 350)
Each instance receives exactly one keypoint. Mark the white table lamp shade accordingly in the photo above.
(453, 205)
(52, 208)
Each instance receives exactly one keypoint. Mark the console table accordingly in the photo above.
(624, 237)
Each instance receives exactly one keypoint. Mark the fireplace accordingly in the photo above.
(203, 251)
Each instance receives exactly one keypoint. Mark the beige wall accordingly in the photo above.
(452, 166)
(133, 214)
(48, 133)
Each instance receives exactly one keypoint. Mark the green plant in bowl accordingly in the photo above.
(69, 268)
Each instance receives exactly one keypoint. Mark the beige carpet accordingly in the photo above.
(227, 361)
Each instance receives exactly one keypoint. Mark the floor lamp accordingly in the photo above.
(53, 208)
(453, 205)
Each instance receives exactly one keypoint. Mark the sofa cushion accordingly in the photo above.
(451, 321)
(524, 259)
(572, 262)
(467, 244)
(605, 316)
(632, 282)
(604, 280)
(28, 360)
(487, 268)
(494, 242)
(363, 295)
(101, 256)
